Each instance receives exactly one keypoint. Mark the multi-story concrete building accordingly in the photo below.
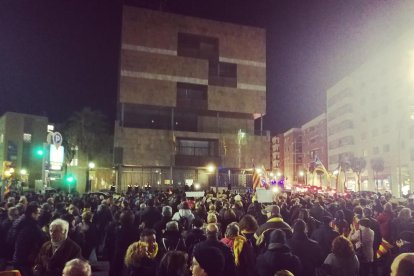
(368, 115)
(293, 156)
(314, 145)
(190, 90)
(21, 135)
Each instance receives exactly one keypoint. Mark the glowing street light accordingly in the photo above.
(211, 168)
(301, 173)
(23, 172)
(91, 165)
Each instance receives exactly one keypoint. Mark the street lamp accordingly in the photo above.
(211, 168)
(301, 174)
(91, 165)
(23, 172)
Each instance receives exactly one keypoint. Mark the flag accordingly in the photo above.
(319, 167)
(256, 179)
(7, 187)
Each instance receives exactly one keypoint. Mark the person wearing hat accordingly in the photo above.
(363, 238)
(274, 221)
(308, 251)
(277, 256)
(207, 261)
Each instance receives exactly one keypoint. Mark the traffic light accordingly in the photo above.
(70, 179)
(39, 152)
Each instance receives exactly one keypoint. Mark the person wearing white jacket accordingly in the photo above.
(184, 212)
(364, 239)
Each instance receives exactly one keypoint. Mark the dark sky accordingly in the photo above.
(57, 56)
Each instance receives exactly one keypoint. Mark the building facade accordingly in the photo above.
(370, 115)
(21, 136)
(277, 153)
(293, 156)
(190, 90)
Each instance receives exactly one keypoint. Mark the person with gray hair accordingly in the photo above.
(77, 267)
(171, 239)
(54, 254)
(166, 217)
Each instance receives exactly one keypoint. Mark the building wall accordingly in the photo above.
(293, 155)
(277, 153)
(12, 130)
(368, 114)
(158, 56)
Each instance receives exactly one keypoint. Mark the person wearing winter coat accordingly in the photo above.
(277, 256)
(324, 235)
(27, 238)
(244, 257)
(342, 261)
(307, 250)
(184, 213)
(364, 238)
(384, 220)
(55, 253)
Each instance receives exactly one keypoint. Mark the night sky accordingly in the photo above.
(58, 56)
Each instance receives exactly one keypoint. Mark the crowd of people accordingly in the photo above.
(165, 233)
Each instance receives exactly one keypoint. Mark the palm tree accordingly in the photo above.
(377, 164)
(358, 165)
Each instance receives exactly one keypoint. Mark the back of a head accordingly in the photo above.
(77, 267)
(166, 211)
(278, 236)
(299, 226)
(232, 230)
(126, 218)
(403, 265)
(211, 260)
(212, 230)
(173, 263)
(31, 208)
(172, 226)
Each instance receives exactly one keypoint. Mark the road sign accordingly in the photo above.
(57, 139)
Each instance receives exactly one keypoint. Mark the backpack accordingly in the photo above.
(183, 223)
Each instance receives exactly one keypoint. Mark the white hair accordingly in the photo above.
(62, 223)
(77, 267)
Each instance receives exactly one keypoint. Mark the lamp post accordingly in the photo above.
(301, 174)
(91, 166)
(212, 169)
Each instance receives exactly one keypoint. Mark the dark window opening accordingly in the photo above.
(191, 96)
(222, 74)
(197, 147)
(196, 46)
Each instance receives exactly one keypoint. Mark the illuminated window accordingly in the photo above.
(27, 137)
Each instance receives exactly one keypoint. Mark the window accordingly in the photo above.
(197, 46)
(27, 138)
(191, 96)
(222, 74)
(197, 147)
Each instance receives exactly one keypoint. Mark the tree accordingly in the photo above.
(358, 165)
(345, 166)
(377, 164)
(88, 130)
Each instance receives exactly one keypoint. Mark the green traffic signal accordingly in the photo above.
(39, 152)
(70, 179)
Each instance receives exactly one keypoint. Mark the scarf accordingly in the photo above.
(236, 246)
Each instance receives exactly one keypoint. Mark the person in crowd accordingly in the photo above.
(248, 226)
(403, 222)
(403, 265)
(212, 233)
(405, 242)
(277, 256)
(244, 256)
(208, 261)
(311, 222)
(91, 236)
(317, 211)
(142, 257)
(184, 216)
(194, 235)
(171, 238)
(125, 234)
(174, 263)
(27, 238)
(308, 251)
(343, 260)
(6, 249)
(238, 207)
(151, 215)
(54, 253)
(274, 222)
(363, 238)
(200, 211)
(384, 220)
(166, 214)
(77, 267)
(348, 213)
(374, 226)
(324, 236)
(212, 210)
(340, 225)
